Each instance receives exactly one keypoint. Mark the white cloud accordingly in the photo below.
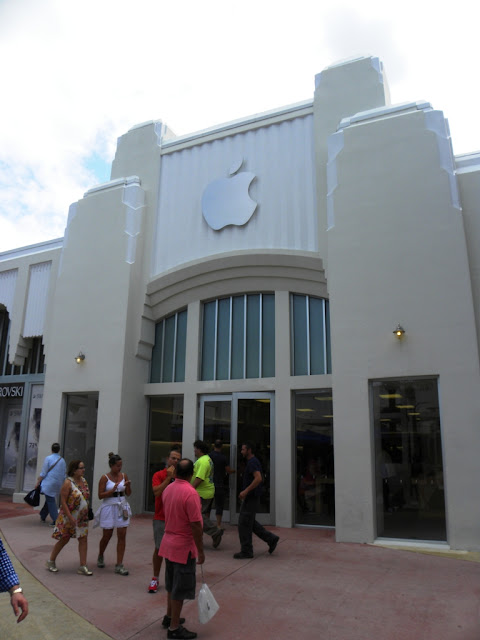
(80, 74)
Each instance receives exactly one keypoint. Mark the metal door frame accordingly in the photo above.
(232, 515)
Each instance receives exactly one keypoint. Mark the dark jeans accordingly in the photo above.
(248, 525)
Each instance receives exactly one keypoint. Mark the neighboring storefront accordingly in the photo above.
(305, 279)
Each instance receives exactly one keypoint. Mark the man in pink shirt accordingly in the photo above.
(181, 546)
(160, 481)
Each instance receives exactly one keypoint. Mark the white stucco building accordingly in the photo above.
(245, 283)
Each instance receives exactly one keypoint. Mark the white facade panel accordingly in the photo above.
(8, 280)
(281, 157)
(37, 300)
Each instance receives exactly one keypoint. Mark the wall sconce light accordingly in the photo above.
(399, 331)
(80, 358)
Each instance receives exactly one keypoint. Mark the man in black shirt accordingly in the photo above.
(220, 468)
(250, 495)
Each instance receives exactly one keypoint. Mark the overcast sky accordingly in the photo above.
(76, 75)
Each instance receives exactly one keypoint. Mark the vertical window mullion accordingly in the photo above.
(245, 335)
(163, 351)
(307, 310)
(39, 355)
(7, 344)
(215, 349)
(324, 336)
(292, 338)
(174, 347)
(260, 335)
(230, 340)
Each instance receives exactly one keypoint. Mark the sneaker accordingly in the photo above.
(273, 545)
(119, 568)
(240, 555)
(51, 566)
(153, 588)
(217, 538)
(167, 620)
(100, 562)
(181, 632)
(83, 570)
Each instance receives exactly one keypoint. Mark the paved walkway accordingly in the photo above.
(310, 587)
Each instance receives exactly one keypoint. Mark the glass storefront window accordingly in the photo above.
(166, 430)
(238, 337)
(310, 335)
(315, 478)
(408, 454)
(168, 354)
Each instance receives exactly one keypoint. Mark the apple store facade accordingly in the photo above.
(305, 279)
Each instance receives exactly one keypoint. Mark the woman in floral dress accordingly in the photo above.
(72, 521)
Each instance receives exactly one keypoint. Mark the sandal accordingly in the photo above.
(119, 568)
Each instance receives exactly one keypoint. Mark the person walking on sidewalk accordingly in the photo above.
(114, 512)
(9, 582)
(203, 482)
(181, 546)
(220, 469)
(52, 476)
(160, 481)
(250, 495)
(72, 521)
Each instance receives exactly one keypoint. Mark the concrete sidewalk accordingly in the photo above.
(310, 587)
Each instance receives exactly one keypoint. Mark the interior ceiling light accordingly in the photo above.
(405, 406)
(80, 358)
(390, 395)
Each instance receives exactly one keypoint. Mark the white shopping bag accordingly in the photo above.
(207, 605)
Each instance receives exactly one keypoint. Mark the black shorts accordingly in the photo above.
(180, 579)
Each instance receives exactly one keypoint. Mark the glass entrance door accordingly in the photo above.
(237, 418)
(409, 464)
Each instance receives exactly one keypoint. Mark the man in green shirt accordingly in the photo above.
(202, 481)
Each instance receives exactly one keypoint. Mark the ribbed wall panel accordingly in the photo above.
(282, 158)
(37, 300)
(8, 280)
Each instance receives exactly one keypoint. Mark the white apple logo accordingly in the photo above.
(226, 201)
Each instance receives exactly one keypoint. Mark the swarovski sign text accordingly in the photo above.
(11, 391)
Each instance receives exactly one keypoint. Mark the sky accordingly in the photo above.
(76, 75)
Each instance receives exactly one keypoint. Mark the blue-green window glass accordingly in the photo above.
(300, 335)
(239, 337)
(238, 330)
(208, 343)
(223, 339)
(180, 352)
(327, 336)
(169, 350)
(253, 336)
(157, 354)
(310, 335)
(268, 336)
(317, 335)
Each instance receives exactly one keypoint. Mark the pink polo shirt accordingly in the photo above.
(182, 506)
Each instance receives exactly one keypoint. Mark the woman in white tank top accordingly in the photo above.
(115, 511)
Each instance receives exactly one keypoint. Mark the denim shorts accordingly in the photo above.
(180, 579)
